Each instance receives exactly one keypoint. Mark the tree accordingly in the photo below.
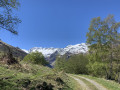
(103, 36)
(74, 64)
(60, 63)
(35, 58)
(8, 21)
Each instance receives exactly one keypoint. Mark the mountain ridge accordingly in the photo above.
(16, 51)
(51, 53)
(74, 49)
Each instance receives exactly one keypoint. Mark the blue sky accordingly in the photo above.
(57, 23)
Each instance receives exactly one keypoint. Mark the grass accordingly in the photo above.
(110, 85)
(29, 76)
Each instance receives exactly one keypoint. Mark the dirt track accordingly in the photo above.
(84, 86)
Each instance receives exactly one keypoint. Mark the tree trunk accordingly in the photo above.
(111, 64)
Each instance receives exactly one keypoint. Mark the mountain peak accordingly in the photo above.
(74, 49)
(51, 53)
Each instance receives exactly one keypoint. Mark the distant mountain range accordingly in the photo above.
(51, 53)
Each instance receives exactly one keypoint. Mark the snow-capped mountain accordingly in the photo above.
(51, 53)
(73, 49)
(25, 50)
(76, 49)
(45, 51)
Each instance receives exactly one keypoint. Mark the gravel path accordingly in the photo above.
(99, 87)
(84, 86)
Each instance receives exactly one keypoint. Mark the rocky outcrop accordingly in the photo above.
(5, 49)
(8, 58)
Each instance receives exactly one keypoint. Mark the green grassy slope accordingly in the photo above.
(31, 77)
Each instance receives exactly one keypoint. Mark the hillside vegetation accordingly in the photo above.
(31, 77)
(31, 74)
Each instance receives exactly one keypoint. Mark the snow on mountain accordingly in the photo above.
(50, 54)
(73, 49)
(76, 49)
(25, 50)
(45, 51)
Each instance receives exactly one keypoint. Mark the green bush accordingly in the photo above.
(74, 64)
(97, 69)
(77, 64)
(60, 63)
(35, 58)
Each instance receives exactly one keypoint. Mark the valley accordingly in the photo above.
(59, 45)
(23, 75)
(30, 76)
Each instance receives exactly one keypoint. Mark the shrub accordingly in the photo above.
(97, 69)
(74, 64)
(35, 58)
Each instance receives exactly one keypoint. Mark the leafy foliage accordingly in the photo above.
(103, 31)
(8, 20)
(35, 58)
(103, 38)
(74, 64)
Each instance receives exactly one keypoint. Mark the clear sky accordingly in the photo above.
(57, 23)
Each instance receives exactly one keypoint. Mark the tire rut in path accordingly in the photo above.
(98, 86)
(82, 84)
